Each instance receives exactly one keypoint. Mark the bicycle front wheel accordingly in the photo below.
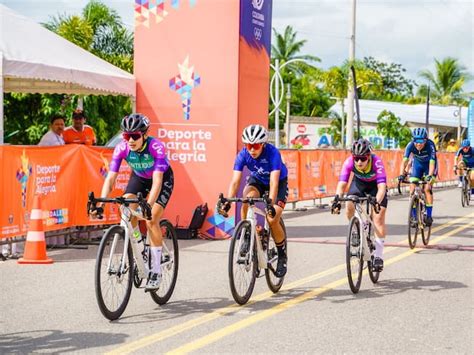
(354, 255)
(113, 273)
(274, 283)
(464, 201)
(169, 263)
(413, 222)
(242, 263)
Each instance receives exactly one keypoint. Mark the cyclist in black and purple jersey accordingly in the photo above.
(151, 175)
(269, 174)
(368, 177)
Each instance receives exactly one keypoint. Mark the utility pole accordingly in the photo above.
(350, 93)
(288, 100)
(277, 111)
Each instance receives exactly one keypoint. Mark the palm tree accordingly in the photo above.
(286, 47)
(447, 82)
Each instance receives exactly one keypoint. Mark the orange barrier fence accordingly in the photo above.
(62, 176)
(314, 173)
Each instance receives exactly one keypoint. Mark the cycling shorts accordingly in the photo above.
(419, 170)
(361, 189)
(282, 194)
(138, 184)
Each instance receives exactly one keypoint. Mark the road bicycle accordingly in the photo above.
(466, 186)
(124, 259)
(252, 249)
(360, 243)
(417, 224)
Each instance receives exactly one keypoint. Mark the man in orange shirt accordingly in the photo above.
(79, 132)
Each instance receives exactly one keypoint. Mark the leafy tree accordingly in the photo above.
(99, 30)
(286, 48)
(395, 86)
(390, 126)
(446, 82)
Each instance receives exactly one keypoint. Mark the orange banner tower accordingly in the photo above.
(202, 69)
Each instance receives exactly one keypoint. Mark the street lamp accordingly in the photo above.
(288, 100)
(277, 97)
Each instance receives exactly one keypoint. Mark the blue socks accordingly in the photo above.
(429, 210)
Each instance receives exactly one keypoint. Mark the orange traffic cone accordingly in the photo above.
(35, 246)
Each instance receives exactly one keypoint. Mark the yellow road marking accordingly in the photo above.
(175, 330)
(221, 333)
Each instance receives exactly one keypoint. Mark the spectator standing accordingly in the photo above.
(452, 147)
(55, 134)
(79, 132)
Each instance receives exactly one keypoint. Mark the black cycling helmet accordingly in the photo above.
(361, 147)
(136, 122)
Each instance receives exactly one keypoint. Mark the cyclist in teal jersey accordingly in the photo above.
(151, 175)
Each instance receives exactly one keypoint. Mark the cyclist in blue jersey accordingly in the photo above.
(425, 166)
(465, 159)
(269, 174)
(151, 175)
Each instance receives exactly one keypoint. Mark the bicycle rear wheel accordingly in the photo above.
(354, 255)
(413, 230)
(169, 263)
(113, 285)
(242, 263)
(274, 283)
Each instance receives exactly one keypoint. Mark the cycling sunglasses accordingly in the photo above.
(134, 135)
(361, 158)
(420, 141)
(254, 146)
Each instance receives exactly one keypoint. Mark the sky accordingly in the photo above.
(409, 32)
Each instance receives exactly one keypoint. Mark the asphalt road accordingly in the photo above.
(423, 302)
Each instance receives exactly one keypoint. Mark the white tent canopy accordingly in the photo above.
(36, 60)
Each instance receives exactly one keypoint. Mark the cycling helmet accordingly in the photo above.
(255, 134)
(361, 147)
(419, 133)
(136, 122)
(466, 143)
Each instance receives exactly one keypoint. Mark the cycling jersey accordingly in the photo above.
(467, 157)
(260, 168)
(150, 158)
(424, 156)
(86, 136)
(374, 172)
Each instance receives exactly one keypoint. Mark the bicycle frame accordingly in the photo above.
(363, 215)
(251, 217)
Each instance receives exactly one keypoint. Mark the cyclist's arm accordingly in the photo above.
(381, 191)
(406, 158)
(155, 187)
(341, 187)
(108, 183)
(432, 160)
(274, 181)
(234, 184)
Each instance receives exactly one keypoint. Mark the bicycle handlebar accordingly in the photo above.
(92, 204)
(252, 200)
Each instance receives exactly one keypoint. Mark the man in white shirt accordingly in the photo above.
(55, 134)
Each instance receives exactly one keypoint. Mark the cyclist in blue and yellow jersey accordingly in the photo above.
(465, 159)
(425, 166)
(268, 174)
(368, 178)
(151, 175)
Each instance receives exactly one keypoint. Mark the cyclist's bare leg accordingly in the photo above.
(133, 206)
(350, 209)
(277, 231)
(429, 194)
(412, 189)
(156, 237)
(249, 191)
(379, 223)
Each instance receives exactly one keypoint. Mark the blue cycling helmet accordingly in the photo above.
(466, 143)
(419, 133)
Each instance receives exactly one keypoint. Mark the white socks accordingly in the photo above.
(156, 259)
(379, 247)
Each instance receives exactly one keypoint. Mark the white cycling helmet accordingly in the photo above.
(255, 134)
